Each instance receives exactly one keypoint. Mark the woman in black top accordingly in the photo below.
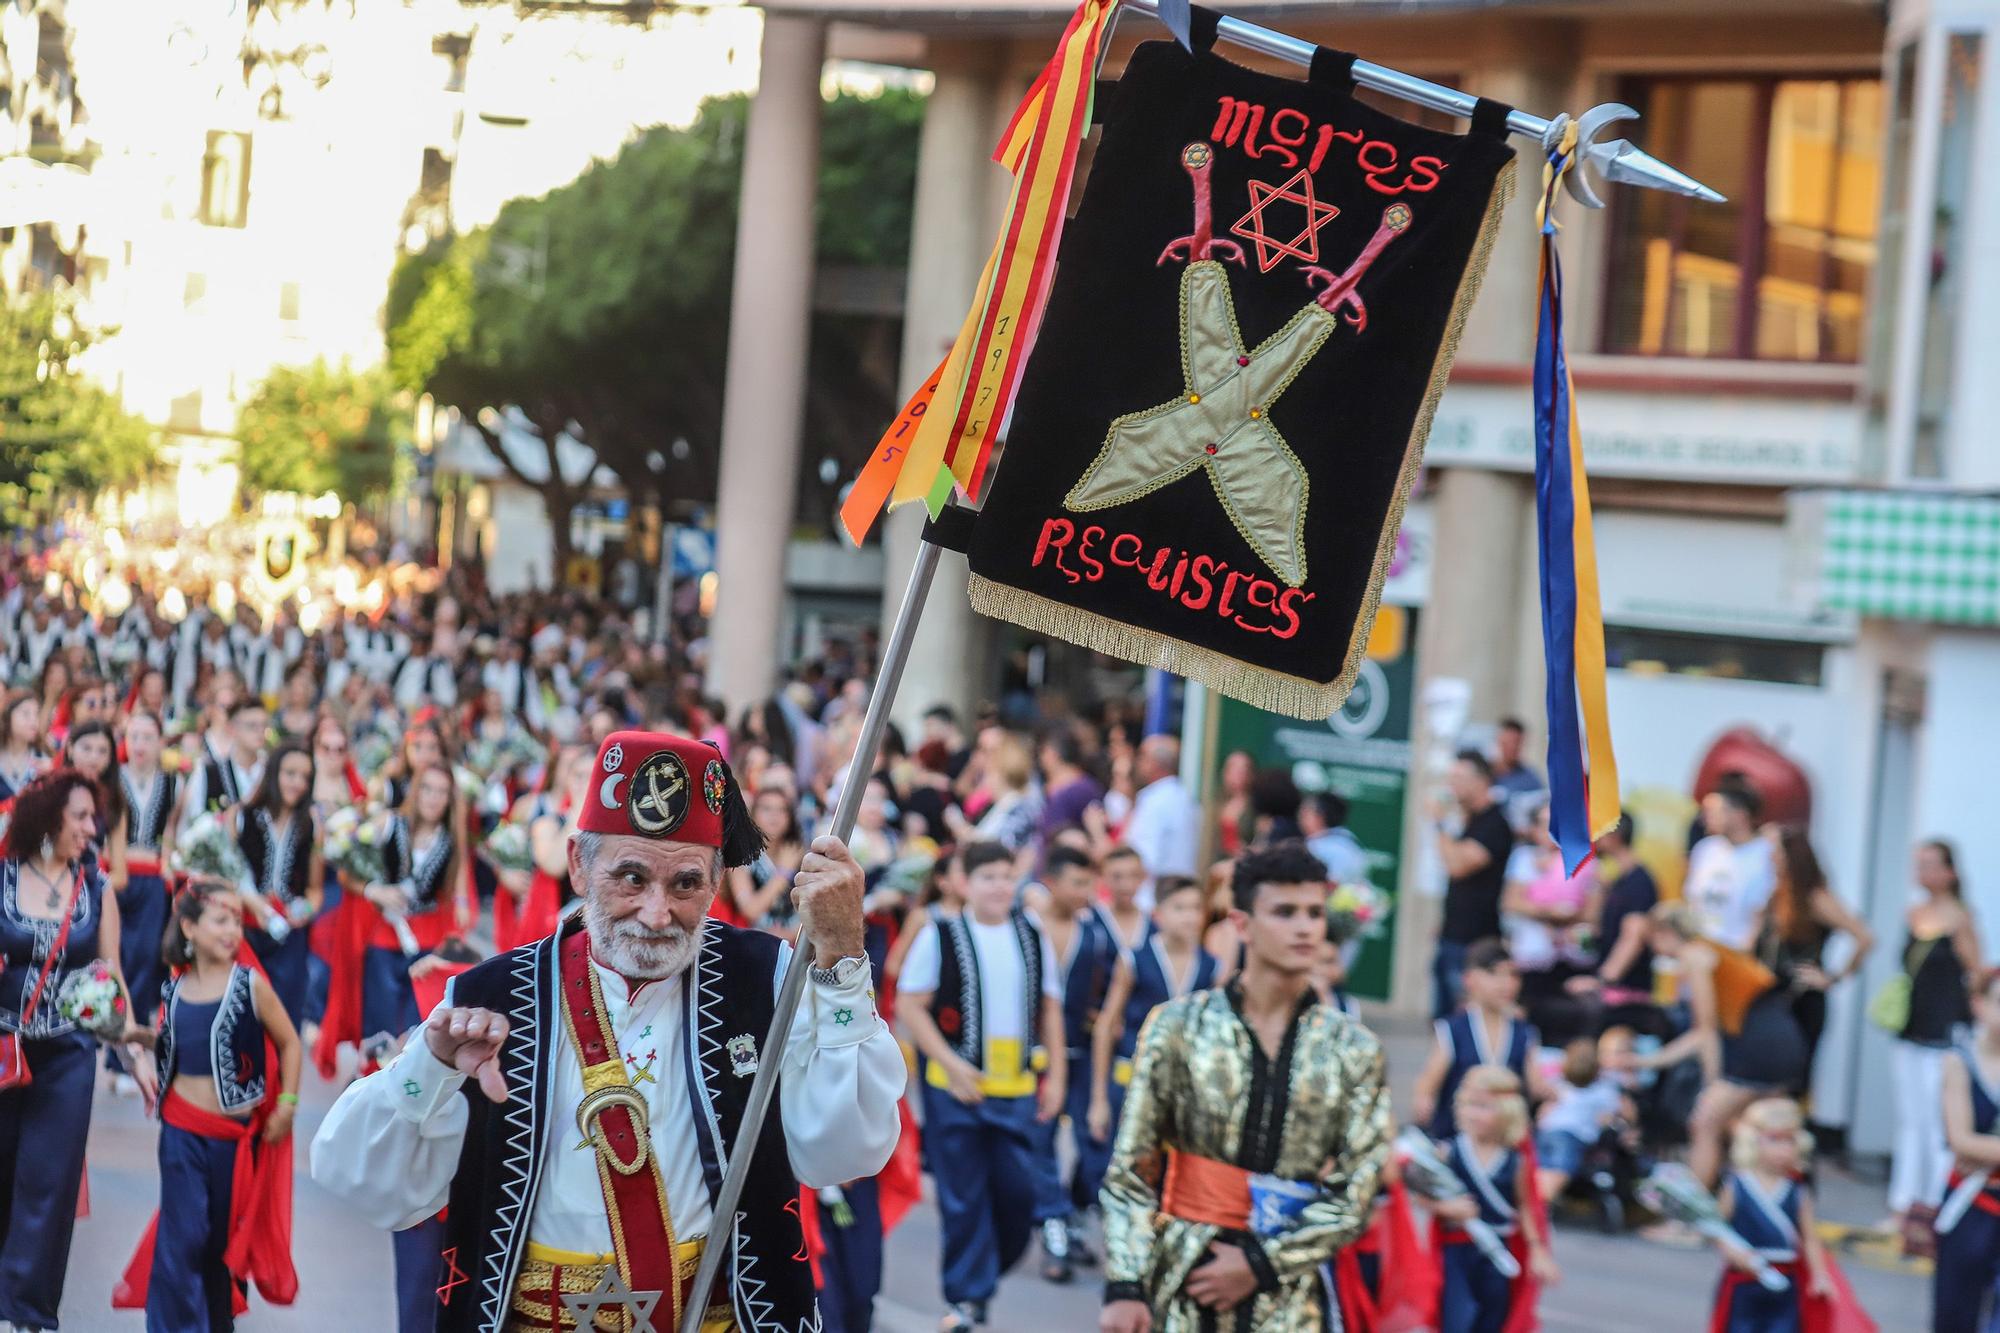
(1940, 951)
(1803, 915)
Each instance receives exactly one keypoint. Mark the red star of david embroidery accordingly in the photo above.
(1305, 245)
(454, 1275)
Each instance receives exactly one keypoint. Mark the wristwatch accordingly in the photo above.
(843, 970)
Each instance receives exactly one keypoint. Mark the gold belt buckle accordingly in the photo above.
(588, 1122)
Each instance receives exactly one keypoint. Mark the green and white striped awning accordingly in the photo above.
(1905, 555)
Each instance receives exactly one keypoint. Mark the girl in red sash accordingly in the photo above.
(229, 1065)
(1766, 1201)
(422, 858)
(1474, 1296)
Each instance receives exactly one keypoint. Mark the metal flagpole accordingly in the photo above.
(895, 656)
(1617, 161)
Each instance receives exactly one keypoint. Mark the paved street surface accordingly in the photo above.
(1610, 1285)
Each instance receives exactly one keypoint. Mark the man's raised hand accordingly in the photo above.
(469, 1040)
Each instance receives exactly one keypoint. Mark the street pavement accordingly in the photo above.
(1610, 1285)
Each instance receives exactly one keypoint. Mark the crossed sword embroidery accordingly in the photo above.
(1221, 422)
(655, 800)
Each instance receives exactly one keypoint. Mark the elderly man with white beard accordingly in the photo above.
(575, 1101)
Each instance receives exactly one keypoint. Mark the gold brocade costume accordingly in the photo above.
(1318, 1113)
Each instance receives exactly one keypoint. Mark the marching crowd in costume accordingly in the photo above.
(1115, 1071)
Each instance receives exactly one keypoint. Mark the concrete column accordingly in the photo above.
(1481, 624)
(952, 224)
(764, 390)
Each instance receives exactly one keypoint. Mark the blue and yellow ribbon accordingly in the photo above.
(1583, 772)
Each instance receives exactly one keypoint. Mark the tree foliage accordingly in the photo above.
(60, 432)
(601, 309)
(318, 428)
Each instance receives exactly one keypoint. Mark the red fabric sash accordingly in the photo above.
(348, 931)
(523, 922)
(1358, 1312)
(1986, 1201)
(260, 1207)
(136, 864)
(1837, 1312)
(1404, 1302)
(636, 1202)
(357, 926)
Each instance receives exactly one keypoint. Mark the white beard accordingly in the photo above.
(633, 950)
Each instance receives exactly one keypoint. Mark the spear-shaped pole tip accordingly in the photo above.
(1627, 164)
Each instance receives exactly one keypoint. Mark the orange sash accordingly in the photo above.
(1201, 1189)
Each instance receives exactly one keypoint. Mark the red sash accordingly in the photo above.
(1836, 1312)
(136, 864)
(260, 1207)
(612, 1117)
(1986, 1201)
(533, 918)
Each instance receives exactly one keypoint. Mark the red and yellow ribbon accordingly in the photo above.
(944, 436)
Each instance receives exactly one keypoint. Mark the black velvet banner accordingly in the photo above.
(1254, 315)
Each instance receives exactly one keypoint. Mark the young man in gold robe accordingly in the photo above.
(1255, 1130)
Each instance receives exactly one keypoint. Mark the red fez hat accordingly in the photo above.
(649, 784)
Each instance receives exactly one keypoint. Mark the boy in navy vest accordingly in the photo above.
(976, 995)
(1086, 954)
(1486, 1030)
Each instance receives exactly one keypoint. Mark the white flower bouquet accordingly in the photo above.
(354, 842)
(207, 847)
(372, 752)
(92, 998)
(508, 847)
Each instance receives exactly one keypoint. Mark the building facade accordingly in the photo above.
(1767, 388)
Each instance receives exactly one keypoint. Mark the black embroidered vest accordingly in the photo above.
(425, 874)
(235, 1042)
(281, 866)
(957, 1006)
(729, 994)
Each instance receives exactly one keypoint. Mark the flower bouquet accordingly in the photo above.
(496, 759)
(1355, 911)
(92, 998)
(1428, 1175)
(372, 752)
(1673, 1192)
(508, 848)
(207, 847)
(353, 843)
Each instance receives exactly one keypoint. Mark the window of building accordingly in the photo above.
(1778, 273)
(288, 302)
(1670, 653)
(225, 179)
(194, 290)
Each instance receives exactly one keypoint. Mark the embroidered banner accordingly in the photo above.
(1226, 405)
